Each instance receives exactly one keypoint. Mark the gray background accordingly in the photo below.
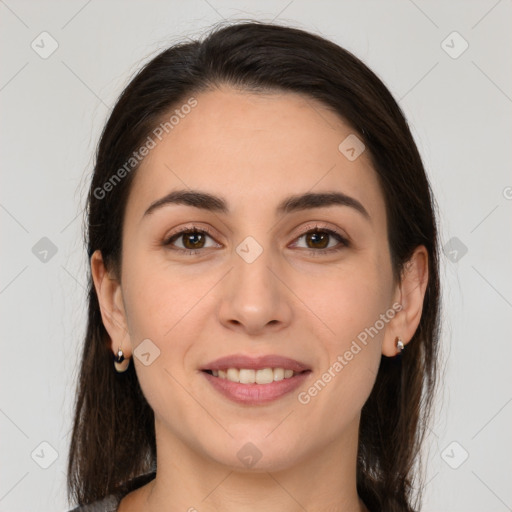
(52, 110)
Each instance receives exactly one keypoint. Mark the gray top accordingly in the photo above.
(108, 504)
(111, 502)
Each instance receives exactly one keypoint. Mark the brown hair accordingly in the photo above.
(113, 437)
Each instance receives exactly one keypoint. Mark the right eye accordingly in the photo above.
(193, 240)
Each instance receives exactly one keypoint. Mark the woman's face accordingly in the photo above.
(258, 285)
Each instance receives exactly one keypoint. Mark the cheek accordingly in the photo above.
(353, 299)
(356, 307)
(158, 297)
(158, 301)
(170, 308)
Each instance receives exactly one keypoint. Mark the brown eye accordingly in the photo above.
(318, 240)
(189, 240)
(193, 240)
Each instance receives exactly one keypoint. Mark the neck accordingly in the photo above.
(188, 481)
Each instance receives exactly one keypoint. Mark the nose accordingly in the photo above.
(255, 297)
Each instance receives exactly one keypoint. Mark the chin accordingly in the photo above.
(255, 454)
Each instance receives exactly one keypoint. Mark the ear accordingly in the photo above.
(109, 292)
(409, 293)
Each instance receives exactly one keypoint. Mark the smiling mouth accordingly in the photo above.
(252, 376)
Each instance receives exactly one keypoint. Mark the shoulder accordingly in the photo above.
(108, 504)
(111, 502)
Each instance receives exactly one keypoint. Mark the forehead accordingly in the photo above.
(254, 149)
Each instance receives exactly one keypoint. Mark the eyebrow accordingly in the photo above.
(295, 203)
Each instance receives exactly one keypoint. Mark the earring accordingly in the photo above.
(120, 362)
(399, 344)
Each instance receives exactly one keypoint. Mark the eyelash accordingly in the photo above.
(309, 229)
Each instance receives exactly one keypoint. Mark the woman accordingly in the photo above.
(263, 247)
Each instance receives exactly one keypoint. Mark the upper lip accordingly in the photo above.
(241, 361)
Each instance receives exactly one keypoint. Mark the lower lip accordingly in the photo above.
(255, 394)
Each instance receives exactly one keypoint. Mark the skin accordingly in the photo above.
(254, 150)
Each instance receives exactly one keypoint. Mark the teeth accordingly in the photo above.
(265, 376)
(233, 375)
(246, 376)
(278, 374)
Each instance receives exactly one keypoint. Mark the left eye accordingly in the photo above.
(317, 240)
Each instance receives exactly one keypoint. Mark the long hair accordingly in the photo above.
(113, 438)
